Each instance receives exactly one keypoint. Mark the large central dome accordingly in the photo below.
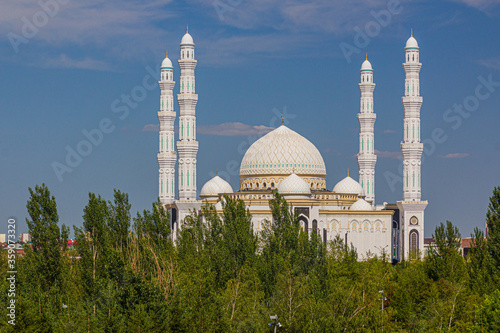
(278, 154)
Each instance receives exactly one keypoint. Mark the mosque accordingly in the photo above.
(285, 161)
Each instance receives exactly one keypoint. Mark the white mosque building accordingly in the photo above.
(285, 161)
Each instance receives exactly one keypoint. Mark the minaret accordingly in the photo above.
(187, 145)
(366, 118)
(166, 116)
(412, 208)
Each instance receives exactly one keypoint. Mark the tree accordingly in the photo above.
(238, 238)
(119, 221)
(489, 313)
(46, 235)
(479, 264)
(93, 245)
(445, 260)
(493, 225)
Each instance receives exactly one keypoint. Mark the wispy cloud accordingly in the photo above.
(388, 154)
(234, 129)
(151, 128)
(63, 61)
(333, 16)
(480, 4)
(454, 155)
(224, 129)
(119, 29)
(492, 63)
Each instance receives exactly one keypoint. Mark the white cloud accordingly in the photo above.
(63, 61)
(388, 154)
(482, 5)
(492, 63)
(224, 129)
(455, 155)
(118, 28)
(234, 129)
(151, 128)
(294, 15)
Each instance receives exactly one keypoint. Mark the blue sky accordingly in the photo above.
(65, 66)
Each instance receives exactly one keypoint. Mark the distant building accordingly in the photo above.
(25, 237)
(465, 245)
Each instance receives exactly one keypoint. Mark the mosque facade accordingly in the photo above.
(285, 161)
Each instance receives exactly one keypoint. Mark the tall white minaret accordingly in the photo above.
(187, 145)
(412, 208)
(166, 116)
(366, 118)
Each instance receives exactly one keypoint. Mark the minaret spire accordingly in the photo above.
(366, 118)
(412, 207)
(187, 99)
(166, 155)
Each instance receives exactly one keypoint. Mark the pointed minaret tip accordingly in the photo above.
(411, 32)
(187, 28)
(347, 172)
(166, 54)
(366, 56)
(282, 120)
(216, 172)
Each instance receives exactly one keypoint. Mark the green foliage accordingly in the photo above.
(46, 236)
(221, 277)
(489, 313)
(444, 260)
(493, 225)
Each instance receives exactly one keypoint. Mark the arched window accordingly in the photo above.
(413, 243)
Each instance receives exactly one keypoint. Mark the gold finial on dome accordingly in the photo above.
(347, 172)
(412, 32)
(282, 120)
(166, 54)
(366, 56)
(187, 28)
(216, 172)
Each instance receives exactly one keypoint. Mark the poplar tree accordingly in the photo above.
(493, 225)
(47, 239)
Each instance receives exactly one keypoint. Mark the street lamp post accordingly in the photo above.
(275, 322)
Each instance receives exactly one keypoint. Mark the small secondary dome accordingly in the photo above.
(215, 186)
(166, 63)
(348, 186)
(187, 39)
(411, 42)
(293, 184)
(361, 204)
(366, 65)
